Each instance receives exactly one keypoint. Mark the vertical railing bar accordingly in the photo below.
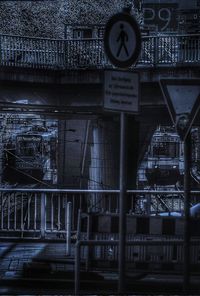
(35, 211)
(49, 50)
(22, 212)
(73, 211)
(52, 212)
(1, 197)
(107, 202)
(15, 212)
(23, 53)
(43, 214)
(131, 197)
(8, 219)
(58, 217)
(28, 214)
(80, 201)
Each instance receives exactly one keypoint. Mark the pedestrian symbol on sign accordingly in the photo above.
(122, 39)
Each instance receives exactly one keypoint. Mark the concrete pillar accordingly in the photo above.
(73, 153)
(104, 167)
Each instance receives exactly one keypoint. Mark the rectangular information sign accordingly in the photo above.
(121, 91)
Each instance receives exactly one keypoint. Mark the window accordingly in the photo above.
(101, 32)
(169, 149)
(82, 33)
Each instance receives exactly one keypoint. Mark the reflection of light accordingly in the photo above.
(25, 101)
(4, 291)
(174, 166)
(155, 166)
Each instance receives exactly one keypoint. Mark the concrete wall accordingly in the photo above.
(48, 18)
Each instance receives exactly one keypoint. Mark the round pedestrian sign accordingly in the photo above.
(122, 40)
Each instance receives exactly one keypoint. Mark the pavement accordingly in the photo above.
(43, 268)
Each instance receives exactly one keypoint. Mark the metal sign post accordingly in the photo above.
(121, 94)
(182, 98)
(122, 203)
(122, 42)
(187, 163)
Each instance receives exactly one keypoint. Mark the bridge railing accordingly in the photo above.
(43, 212)
(32, 52)
(46, 53)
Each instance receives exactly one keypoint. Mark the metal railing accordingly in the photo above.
(42, 212)
(158, 251)
(18, 51)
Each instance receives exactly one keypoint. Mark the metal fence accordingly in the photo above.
(158, 254)
(42, 212)
(56, 54)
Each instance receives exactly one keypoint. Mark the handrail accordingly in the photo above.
(47, 190)
(60, 190)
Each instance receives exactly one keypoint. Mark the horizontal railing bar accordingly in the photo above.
(58, 190)
(161, 191)
(171, 35)
(47, 190)
(152, 242)
(101, 39)
(19, 230)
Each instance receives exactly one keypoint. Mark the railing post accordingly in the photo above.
(89, 253)
(155, 56)
(43, 215)
(79, 225)
(1, 60)
(148, 205)
(68, 226)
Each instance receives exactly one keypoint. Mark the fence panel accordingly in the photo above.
(43, 211)
(18, 51)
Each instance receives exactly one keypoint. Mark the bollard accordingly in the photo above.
(68, 226)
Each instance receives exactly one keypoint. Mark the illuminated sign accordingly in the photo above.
(29, 138)
(160, 16)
